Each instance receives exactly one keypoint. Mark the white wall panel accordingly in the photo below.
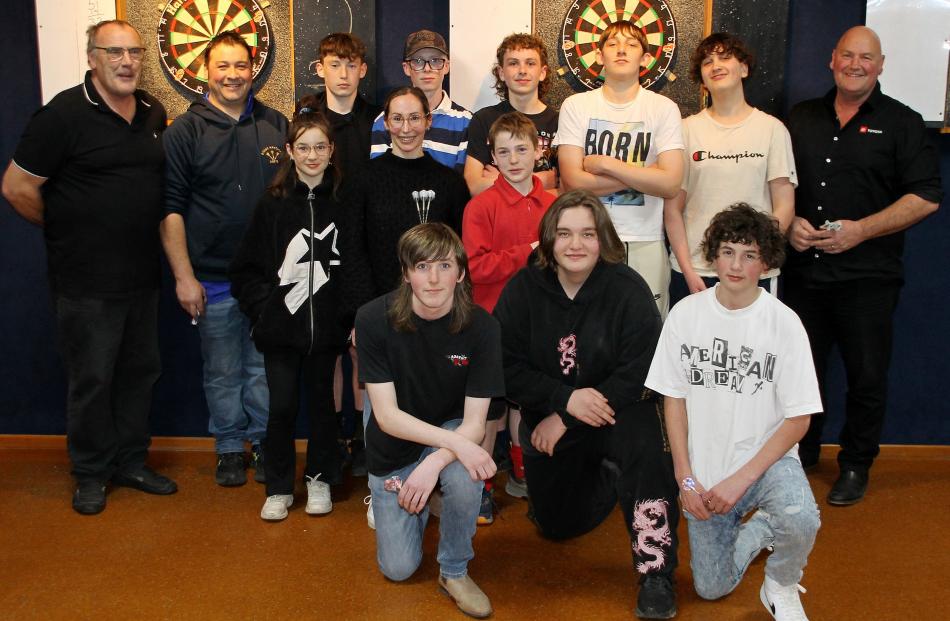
(61, 29)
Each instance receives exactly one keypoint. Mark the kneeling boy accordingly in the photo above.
(431, 362)
(736, 369)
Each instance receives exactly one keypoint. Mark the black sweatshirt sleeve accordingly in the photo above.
(253, 270)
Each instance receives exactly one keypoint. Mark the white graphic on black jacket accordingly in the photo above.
(296, 265)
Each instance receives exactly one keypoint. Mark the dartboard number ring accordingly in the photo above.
(585, 21)
(186, 26)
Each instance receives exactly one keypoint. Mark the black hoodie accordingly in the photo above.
(216, 169)
(278, 265)
(604, 338)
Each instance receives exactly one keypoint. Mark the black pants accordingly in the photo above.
(593, 468)
(858, 318)
(110, 352)
(284, 372)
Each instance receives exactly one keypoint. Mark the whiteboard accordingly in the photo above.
(915, 38)
(475, 30)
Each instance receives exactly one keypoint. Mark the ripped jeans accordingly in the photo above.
(722, 547)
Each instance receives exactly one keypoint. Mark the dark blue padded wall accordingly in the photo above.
(32, 386)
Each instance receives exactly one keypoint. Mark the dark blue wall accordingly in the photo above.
(32, 385)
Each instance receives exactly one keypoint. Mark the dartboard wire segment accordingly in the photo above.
(586, 21)
(186, 27)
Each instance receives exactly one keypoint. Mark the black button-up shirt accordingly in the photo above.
(850, 172)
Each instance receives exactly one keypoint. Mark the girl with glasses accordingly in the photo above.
(296, 276)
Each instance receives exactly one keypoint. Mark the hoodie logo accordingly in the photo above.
(567, 347)
(272, 154)
(458, 360)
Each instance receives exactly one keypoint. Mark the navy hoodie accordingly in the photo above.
(604, 338)
(216, 169)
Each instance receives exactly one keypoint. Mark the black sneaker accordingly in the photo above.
(230, 470)
(146, 480)
(89, 498)
(257, 463)
(657, 599)
(358, 453)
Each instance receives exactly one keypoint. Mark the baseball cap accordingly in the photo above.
(423, 39)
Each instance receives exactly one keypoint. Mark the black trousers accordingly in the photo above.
(593, 468)
(858, 318)
(110, 352)
(285, 370)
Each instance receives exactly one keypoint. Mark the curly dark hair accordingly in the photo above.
(521, 41)
(742, 224)
(722, 43)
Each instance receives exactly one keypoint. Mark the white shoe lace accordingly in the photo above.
(370, 517)
(788, 605)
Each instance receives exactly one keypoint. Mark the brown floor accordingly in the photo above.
(205, 554)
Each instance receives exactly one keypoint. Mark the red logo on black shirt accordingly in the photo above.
(458, 360)
(864, 129)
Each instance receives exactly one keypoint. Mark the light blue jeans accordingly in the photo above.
(399, 533)
(234, 379)
(722, 547)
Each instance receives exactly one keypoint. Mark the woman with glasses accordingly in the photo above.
(404, 187)
(298, 279)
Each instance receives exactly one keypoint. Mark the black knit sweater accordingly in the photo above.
(387, 208)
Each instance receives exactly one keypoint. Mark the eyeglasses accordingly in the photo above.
(303, 150)
(419, 64)
(115, 54)
(727, 254)
(414, 120)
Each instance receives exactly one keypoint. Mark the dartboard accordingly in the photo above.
(585, 21)
(186, 26)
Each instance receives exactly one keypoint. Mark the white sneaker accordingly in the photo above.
(318, 496)
(370, 518)
(782, 601)
(275, 507)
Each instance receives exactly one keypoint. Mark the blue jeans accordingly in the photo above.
(234, 379)
(399, 533)
(722, 547)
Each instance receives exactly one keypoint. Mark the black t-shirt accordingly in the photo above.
(433, 371)
(545, 122)
(852, 172)
(103, 194)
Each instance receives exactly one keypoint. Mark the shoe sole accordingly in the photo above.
(655, 615)
(318, 510)
(230, 482)
(845, 503)
(132, 483)
(445, 592)
(82, 510)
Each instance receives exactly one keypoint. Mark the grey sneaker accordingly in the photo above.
(230, 470)
(467, 596)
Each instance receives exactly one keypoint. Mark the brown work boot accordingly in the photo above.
(468, 597)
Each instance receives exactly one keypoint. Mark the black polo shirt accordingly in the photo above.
(103, 194)
(850, 172)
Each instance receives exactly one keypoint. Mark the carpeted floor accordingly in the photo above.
(204, 553)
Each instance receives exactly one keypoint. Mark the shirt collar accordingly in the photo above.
(870, 103)
(511, 196)
(446, 104)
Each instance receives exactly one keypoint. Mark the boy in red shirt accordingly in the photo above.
(499, 231)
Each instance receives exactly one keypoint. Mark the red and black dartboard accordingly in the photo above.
(585, 21)
(186, 26)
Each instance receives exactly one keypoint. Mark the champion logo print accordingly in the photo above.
(458, 360)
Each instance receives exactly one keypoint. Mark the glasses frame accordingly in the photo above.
(322, 150)
(136, 53)
(424, 62)
(407, 119)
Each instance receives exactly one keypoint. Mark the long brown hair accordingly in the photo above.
(285, 179)
(431, 241)
(611, 248)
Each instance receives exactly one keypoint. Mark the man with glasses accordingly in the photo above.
(222, 154)
(426, 63)
(88, 170)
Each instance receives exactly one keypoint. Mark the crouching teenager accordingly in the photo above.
(737, 372)
(579, 328)
(431, 362)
